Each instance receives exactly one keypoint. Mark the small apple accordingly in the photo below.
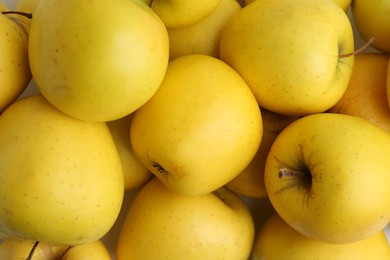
(162, 224)
(201, 128)
(97, 61)
(366, 95)
(292, 54)
(277, 240)
(327, 175)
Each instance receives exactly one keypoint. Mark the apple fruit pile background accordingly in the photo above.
(210, 129)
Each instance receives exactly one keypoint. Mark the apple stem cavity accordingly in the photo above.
(361, 49)
(30, 255)
(28, 15)
(158, 167)
(285, 172)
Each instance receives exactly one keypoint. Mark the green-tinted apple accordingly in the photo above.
(162, 224)
(201, 128)
(291, 53)
(327, 175)
(61, 180)
(97, 60)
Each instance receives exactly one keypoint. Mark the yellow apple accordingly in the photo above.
(15, 74)
(344, 4)
(135, 174)
(366, 93)
(372, 20)
(277, 240)
(162, 224)
(15, 250)
(61, 180)
(250, 182)
(201, 128)
(97, 61)
(203, 36)
(27, 6)
(291, 53)
(178, 13)
(327, 175)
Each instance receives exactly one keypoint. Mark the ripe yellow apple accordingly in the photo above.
(27, 6)
(61, 180)
(250, 182)
(162, 224)
(366, 93)
(290, 53)
(201, 128)
(97, 61)
(277, 240)
(178, 13)
(203, 36)
(15, 74)
(15, 250)
(327, 175)
(372, 20)
(135, 174)
(344, 4)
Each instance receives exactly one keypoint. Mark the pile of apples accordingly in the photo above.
(209, 129)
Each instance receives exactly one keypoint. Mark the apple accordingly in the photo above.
(344, 4)
(294, 55)
(21, 249)
(135, 174)
(178, 13)
(366, 95)
(203, 36)
(61, 180)
(15, 73)
(201, 128)
(250, 182)
(372, 20)
(277, 240)
(162, 224)
(327, 176)
(26, 6)
(93, 60)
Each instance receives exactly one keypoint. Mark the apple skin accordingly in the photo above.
(201, 128)
(61, 179)
(366, 93)
(372, 20)
(277, 240)
(109, 66)
(288, 53)
(162, 224)
(327, 176)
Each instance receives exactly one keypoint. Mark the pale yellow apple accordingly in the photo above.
(162, 224)
(27, 6)
(97, 61)
(327, 175)
(203, 36)
(201, 128)
(277, 240)
(61, 180)
(250, 182)
(135, 174)
(372, 20)
(366, 95)
(344, 4)
(179, 13)
(15, 74)
(16, 250)
(289, 53)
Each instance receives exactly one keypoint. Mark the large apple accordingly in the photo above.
(201, 128)
(277, 240)
(162, 224)
(372, 20)
(61, 180)
(291, 53)
(97, 60)
(327, 175)
(366, 93)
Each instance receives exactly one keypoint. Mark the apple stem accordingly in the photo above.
(365, 46)
(28, 15)
(65, 252)
(29, 257)
(285, 172)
